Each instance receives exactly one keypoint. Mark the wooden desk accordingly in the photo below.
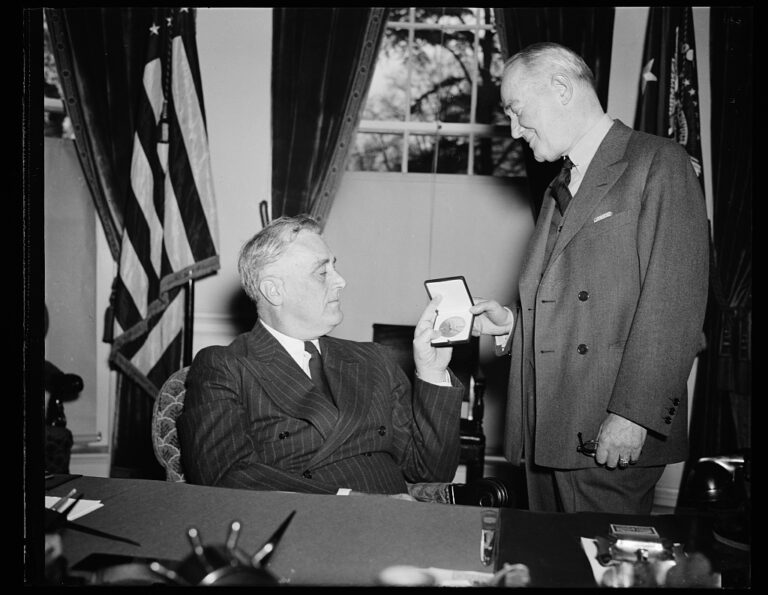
(348, 540)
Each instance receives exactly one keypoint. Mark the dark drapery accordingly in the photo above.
(322, 62)
(99, 55)
(586, 30)
(721, 413)
(100, 58)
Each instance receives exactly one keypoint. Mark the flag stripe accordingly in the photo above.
(170, 232)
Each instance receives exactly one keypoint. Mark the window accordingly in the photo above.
(434, 103)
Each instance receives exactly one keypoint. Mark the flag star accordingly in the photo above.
(692, 91)
(154, 29)
(647, 75)
(168, 20)
(184, 10)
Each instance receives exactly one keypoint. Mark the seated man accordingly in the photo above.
(254, 418)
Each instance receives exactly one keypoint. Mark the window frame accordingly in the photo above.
(407, 127)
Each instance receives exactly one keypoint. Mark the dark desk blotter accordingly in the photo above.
(57, 480)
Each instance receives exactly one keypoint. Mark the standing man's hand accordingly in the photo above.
(619, 442)
(491, 318)
(431, 362)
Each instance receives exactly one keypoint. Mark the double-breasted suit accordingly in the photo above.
(612, 320)
(253, 419)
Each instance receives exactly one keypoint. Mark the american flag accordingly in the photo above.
(669, 97)
(170, 226)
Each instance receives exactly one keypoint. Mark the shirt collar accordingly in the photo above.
(583, 151)
(294, 346)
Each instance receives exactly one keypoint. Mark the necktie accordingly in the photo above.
(316, 369)
(560, 186)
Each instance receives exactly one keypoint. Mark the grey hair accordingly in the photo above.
(267, 246)
(547, 57)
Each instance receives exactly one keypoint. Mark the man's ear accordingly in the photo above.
(563, 87)
(272, 290)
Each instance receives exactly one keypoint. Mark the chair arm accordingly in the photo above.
(487, 491)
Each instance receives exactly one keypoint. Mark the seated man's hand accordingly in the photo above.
(491, 318)
(431, 362)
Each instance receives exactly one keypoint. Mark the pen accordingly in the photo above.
(60, 502)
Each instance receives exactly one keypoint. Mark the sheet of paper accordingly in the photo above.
(81, 508)
(445, 577)
(589, 546)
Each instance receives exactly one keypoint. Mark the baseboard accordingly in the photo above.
(91, 464)
(666, 497)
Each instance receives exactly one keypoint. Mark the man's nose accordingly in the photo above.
(339, 281)
(515, 129)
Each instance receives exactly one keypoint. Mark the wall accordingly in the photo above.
(391, 232)
(235, 50)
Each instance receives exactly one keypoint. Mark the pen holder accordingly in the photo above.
(217, 565)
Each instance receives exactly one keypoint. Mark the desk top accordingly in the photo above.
(332, 540)
(344, 540)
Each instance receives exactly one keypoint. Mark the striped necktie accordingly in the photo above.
(560, 185)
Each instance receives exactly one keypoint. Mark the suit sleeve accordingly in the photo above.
(426, 422)
(673, 254)
(213, 429)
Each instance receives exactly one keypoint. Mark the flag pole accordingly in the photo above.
(189, 315)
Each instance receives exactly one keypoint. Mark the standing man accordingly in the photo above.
(285, 407)
(612, 295)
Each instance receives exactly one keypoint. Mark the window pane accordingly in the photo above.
(421, 153)
(398, 13)
(453, 154)
(441, 15)
(441, 78)
(489, 109)
(387, 99)
(376, 152)
(499, 157)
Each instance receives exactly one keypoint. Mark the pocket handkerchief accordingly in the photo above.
(603, 216)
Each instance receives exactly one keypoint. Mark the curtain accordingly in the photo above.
(586, 30)
(322, 64)
(721, 414)
(99, 56)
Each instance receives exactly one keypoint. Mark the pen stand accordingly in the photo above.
(217, 565)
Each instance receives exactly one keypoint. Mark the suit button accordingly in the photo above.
(582, 349)
(667, 420)
(382, 430)
(283, 435)
(675, 402)
(672, 410)
(583, 296)
(307, 474)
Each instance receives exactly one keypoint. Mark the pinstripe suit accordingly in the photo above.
(253, 419)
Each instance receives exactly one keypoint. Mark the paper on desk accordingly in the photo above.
(590, 549)
(458, 578)
(81, 508)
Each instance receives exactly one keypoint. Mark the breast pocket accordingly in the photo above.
(608, 222)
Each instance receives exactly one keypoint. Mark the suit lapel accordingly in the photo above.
(349, 379)
(286, 384)
(604, 170)
(530, 274)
